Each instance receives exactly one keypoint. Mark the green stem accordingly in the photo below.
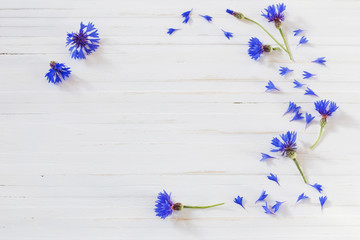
(286, 45)
(318, 139)
(298, 167)
(204, 206)
(267, 33)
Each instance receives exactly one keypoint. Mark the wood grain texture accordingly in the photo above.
(186, 113)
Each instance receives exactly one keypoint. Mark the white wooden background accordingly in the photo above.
(186, 113)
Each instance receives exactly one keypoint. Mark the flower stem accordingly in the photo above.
(267, 33)
(298, 167)
(185, 206)
(318, 139)
(286, 45)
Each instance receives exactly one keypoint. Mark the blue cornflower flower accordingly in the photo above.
(274, 178)
(307, 75)
(308, 118)
(285, 70)
(271, 87)
(57, 72)
(322, 201)
(317, 186)
(288, 148)
(172, 30)
(267, 210)
(277, 206)
(265, 156)
(255, 48)
(186, 16)
(308, 91)
(262, 196)
(228, 35)
(275, 14)
(297, 116)
(320, 60)
(164, 206)
(239, 200)
(86, 40)
(301, 197)
(297, 32)
(303, 40)
(325, 108)
(292, 108)
(298, 84)
(206, 17)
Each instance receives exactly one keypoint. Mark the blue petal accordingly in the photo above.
(277, 206)
(262, 196)
(307, 75)
(285, 70)
(303, 40)
(265, 156)
(322, 201)
(207, 17)
(308, 91)
(275, 13)
(320, 60)
(297, 32)
(308, 118)
(57, 72)
(255, 48)
(292, 108)
(301, 197)
(317, 186)
(172, 30)
(325, 107)
(228, 35)
(186, 20)
(163, 205)
(267, 210)
(239, 200)
(271, 87)
(273, 177)
(186, 14)
(297, 116)
(298, 84)
(287, 144)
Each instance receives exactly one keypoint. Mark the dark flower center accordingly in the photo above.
(80, 39)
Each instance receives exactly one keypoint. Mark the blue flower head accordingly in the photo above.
(262, 196)
(302, 197)
(284, 70)
(163, 205)
(292, 108)
(298, 84)
(85, 41)
(255, 48)
(271, 87)
(186, 16)
(303, 40)
(322, 201)
(265, 156)
(307, 75)
(206, 17)
(325, 107)
(239, 200)
(172, 30)
(228, 35)
(317, 186)
(274, 178)
(57, 72)
(297, 32)
(267, 210)
(298, 116)
(308, 118)
(275, 14)
(288, 144)
(310, 92)
(320, 60)
(276, 206)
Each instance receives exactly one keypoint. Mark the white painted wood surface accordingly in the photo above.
(187, 113)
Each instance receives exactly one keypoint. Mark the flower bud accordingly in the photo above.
(177, 207)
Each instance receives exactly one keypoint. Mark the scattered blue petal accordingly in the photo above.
(292, 108)
(207, 17)
(271, 87)
(307, 75)
(303, 40)
(267, 210)
(298, 84)
(325, 107)
(302, 197)
(255, 48)
(317, 186)
(287, 145)
(172, 30)
(285, 70)
(322, 201)
(297, 116)
(85, 41)
(274, 178)
(308, 91)
(228, 35)
(186, 16)
(239, 200)
(265, 156)
(163, 205)
(320, 60)
(57, 72)
(297, 32)
(262, 196)
(308, 118)
(275, 13)
(186, 20)
(277, 206)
